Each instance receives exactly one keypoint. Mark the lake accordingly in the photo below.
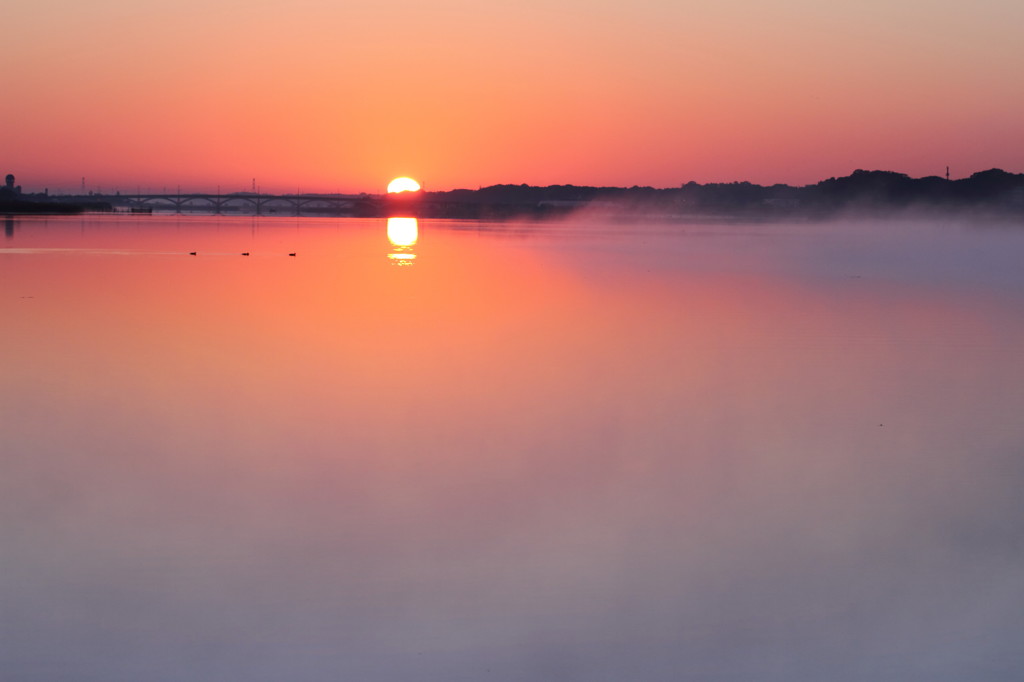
(592, 449)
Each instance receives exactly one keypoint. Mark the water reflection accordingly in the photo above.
(657, 457)
(402, 233)
(9, 226)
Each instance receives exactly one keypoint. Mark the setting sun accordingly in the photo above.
(403, 185)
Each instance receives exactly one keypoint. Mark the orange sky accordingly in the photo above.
(328, 96)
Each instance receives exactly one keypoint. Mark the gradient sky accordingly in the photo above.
(326, 95)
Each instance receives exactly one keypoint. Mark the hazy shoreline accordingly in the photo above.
(994, 193)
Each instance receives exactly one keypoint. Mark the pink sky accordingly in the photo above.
(325, 96)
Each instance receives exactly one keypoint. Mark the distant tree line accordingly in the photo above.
(994, 190)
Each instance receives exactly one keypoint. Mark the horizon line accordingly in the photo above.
(177, 188)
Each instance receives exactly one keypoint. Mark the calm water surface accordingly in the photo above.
(576, 451)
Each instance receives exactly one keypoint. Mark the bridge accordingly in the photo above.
(423, 205)
(258, 203)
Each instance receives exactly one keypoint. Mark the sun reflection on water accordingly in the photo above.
(402, 233)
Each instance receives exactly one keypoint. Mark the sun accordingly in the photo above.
(403, 185)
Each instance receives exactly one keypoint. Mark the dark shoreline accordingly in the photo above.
(994, 193)
(24, 207)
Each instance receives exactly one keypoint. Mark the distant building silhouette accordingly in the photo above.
(9, 189)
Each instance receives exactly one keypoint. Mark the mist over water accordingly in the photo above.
(585, 450)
